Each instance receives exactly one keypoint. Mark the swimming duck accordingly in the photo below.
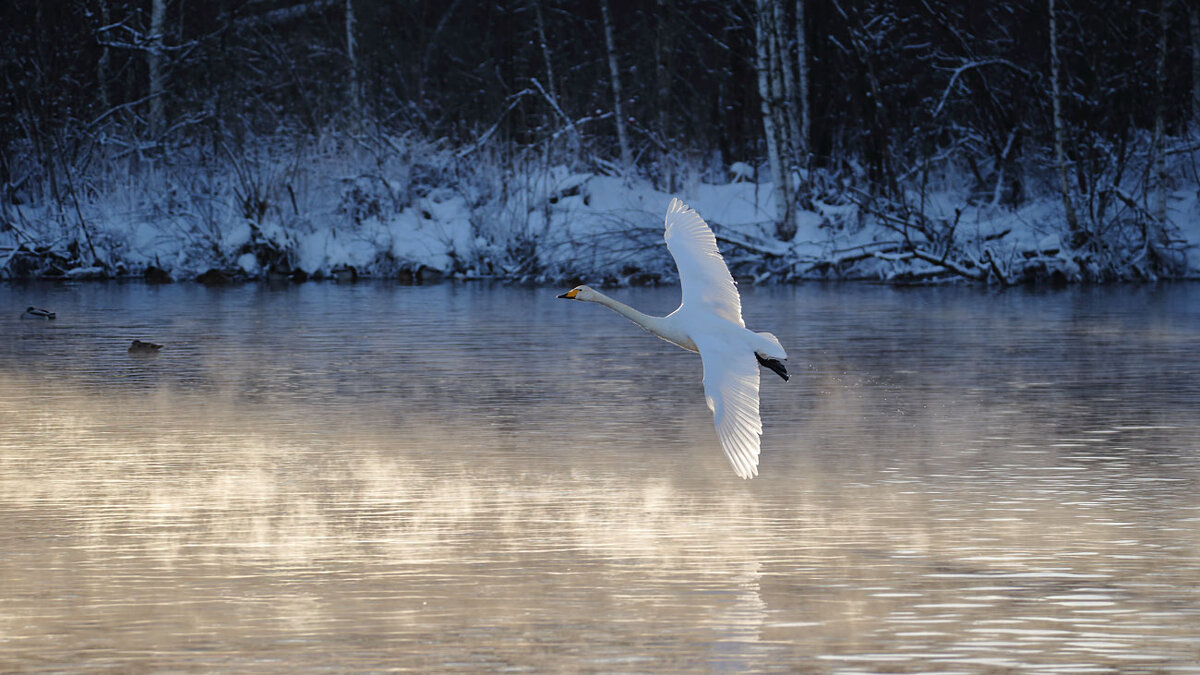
(37, 313)
(139, 347)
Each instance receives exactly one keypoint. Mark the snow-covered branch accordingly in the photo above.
(513, 102)
(970, 65)
(280, 16)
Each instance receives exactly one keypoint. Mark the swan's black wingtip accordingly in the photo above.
(775, 365)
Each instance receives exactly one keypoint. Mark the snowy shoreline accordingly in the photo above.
(420, 213)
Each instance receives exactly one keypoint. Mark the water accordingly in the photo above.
(370, 477)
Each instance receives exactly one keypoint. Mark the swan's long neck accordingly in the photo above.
(659, 326)
(646, 321)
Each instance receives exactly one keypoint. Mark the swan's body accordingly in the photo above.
(37, 313)
(709, 321)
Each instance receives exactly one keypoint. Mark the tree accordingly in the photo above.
(1194, 30)
(155, 56)
(547, 59)
(1160, 89)
(356, 109)
(615, 74)
(802, 147)
(1078, 237)
(768, 63)
(786, 86)
(102, 64)
(664, 50)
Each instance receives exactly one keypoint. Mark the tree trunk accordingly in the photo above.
(355, 87)
(615, 73)
(788, 91)
(1194, 24)
(545, 47)
(1160, 89)
(784, 228)
(431, 44)
(786, 121)
(103, 62)
(663, 48)
(1078, 237)
(154, 55)
(551, 86)
(802, 82)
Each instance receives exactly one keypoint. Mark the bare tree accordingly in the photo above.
(431, 46)
(356, 108)
(1157, 233)
(764, 63)
(102, 64)
(802, 83)
(615, 73)
(1060, 155)
(1194, 24)
(154, 61)
(545, 47)
(664, 48)
(1160, 91)
(787, 88)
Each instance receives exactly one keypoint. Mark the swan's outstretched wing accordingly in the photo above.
(731, 390)
(702, 271)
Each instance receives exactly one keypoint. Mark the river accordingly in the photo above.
(368, 477)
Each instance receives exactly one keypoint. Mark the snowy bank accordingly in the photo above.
(415, 210)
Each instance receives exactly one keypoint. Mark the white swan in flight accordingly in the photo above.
(709, 321)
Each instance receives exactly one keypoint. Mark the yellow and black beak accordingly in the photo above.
(570, 295)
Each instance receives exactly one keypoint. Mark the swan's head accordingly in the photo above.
(584, 293)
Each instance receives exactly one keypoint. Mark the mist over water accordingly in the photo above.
(368, 477)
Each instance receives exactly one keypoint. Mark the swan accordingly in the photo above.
(709, 321)
(37, 313)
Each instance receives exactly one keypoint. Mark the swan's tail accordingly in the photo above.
(774, 364)
(771, 355)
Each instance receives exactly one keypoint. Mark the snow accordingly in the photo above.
(741, 171)
(94, 272)
(248, 262)
(422, 207)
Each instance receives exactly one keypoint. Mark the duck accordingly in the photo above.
(32, 312)
(709, 321)
(139, 347)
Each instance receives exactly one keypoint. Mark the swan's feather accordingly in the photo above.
(703, 273)
(731, 390)
(776, 351)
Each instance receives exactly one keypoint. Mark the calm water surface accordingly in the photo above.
(371, 477)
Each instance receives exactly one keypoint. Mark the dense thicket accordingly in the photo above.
(892, 85)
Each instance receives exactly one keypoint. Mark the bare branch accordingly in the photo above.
(950, 265)
(970, 66)
(279, 16)
(514, 100)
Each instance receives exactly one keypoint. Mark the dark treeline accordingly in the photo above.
(871, 92)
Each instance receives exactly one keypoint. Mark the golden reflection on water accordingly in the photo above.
(167, 531)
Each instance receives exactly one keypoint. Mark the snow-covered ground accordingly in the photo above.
(420, 209)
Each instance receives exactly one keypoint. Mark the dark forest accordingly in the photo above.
(1088, 104)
